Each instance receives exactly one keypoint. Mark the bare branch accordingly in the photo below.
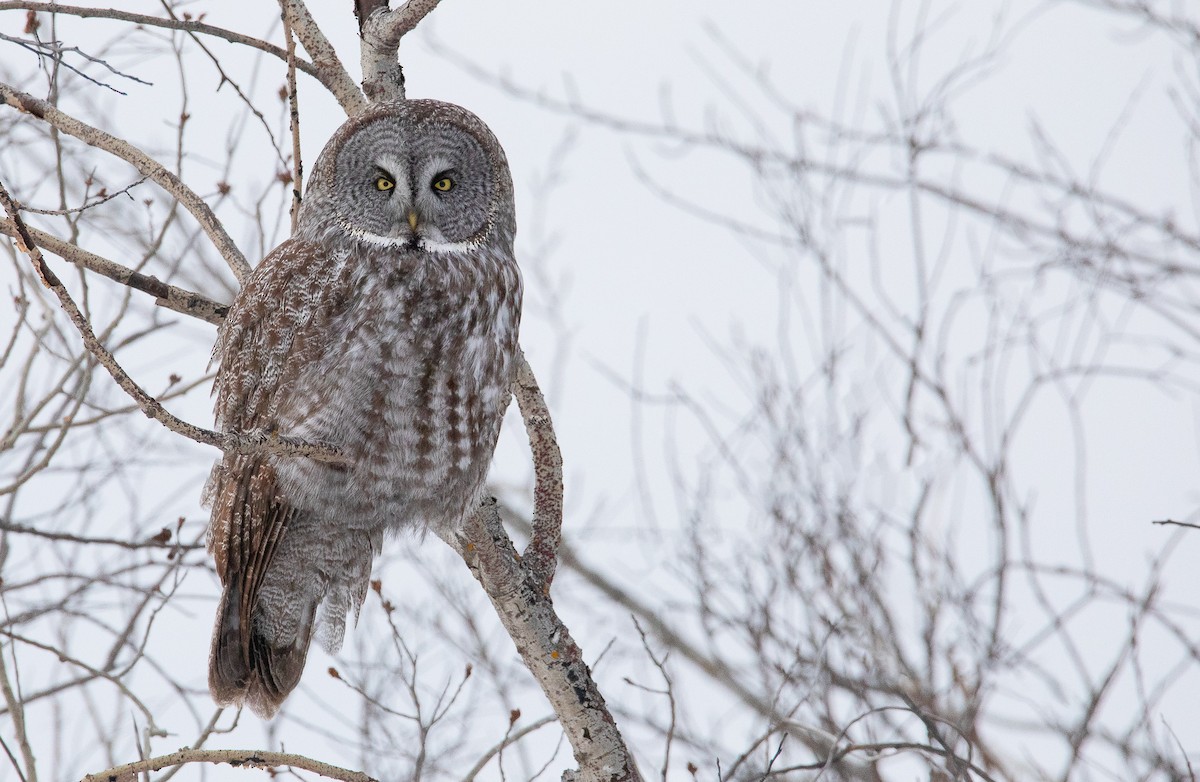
(541, 555)
(169, 296)
(238, 758)
(148, 166)
(546, 648)
(325, 59)
(1176, 523)
(381, 29)
(293, 116)
(510, 737)
(248, 442)
(329, 80)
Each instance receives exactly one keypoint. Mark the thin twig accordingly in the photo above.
(1177, 523)
(148, 166)
(55, 50)
(16, 709)
(510, 737)
(294, 114)
(248, 442)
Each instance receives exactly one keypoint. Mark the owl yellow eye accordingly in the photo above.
(443, 184)
(383, 183)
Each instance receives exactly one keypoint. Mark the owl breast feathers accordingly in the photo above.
(387, 327)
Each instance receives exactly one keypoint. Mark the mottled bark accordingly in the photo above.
(521, 598)
(381, 29)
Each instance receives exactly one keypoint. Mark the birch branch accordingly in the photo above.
(325, 59)
(523, 604)
(238, 758)
(381, 29)
(147, 165)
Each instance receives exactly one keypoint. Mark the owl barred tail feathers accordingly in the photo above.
(247, 668)
(386, 326)
(249, 662)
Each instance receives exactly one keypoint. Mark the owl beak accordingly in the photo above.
(412, 220)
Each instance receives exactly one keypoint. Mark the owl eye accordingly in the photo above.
(443, 184)
(383, 183)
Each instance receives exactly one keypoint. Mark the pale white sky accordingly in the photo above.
(645, 289)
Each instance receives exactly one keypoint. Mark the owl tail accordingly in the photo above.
(246, 667)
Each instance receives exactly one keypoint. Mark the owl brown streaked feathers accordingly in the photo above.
(386, 326)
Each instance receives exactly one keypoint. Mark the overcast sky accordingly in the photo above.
(626, 288)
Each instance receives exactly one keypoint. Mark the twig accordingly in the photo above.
(247, 442)
(157, 541)
(18, 716)
(238, 758)
(661, 665)
(329, 73)
(1177, 523)
(143, 163)
(510, 737)
(294, 114)
(54, 50)
(100, 199)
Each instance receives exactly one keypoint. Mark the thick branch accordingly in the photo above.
(169, 296)
(248, 442)
(238, 758)
(147, 165)
(333, 73)
(547, 649)
(381, 29)
(541, 555)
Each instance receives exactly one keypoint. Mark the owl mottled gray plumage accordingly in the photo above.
(387, 327)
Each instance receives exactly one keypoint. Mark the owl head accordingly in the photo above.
(420, 174)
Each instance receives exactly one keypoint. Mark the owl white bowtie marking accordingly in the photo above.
(386, 327)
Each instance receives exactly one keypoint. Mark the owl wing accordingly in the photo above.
(277, 327)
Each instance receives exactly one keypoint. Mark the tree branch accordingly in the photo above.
(381, 29)
(171, 297)
(541, 555)
(523, 604)
(325, 59)
(147, 165)
(293, 114)
(257, 441)
(323, 73)
(238, 758)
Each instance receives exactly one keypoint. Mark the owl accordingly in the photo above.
(386, 326)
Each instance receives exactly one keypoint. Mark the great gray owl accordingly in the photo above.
(387, 327)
